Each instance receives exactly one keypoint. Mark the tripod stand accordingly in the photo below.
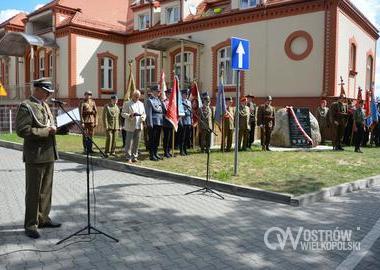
(89, 229)
(206, 188)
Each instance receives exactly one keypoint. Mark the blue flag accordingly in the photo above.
(220, 109)
(374, 112)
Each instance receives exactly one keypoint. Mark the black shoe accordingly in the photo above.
(32, 233)
(167, 155)
(267, 148)
(153, 158)
(182, 153)
(158, 156)
(49, 224)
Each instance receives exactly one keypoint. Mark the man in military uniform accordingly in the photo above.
(154, 121)
(185, 123)
(252, 119)
(244, 126)
(206, 124)
(323, 121)
(266, 121)
(88, 118)
(338, 118)
(111, 118)
(347, 137)
(359, 122)
(167, 127)
(35, 123)
(228, 125)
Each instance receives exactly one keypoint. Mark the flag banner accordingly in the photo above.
(163, 87)
(220, 109)
(131, 84)
(373, 109)
(3, 92)
(172, 111)
(367, 103)
(196, 103)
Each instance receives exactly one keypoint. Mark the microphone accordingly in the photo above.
(57, 101)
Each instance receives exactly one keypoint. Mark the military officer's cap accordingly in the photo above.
(44, 84)
(154, 88)
(269, 98)
(250, 96)
(113, 97)
(88, 93)
(229, 99)
(185, 91)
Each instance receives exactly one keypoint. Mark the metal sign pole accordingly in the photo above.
(237, 123)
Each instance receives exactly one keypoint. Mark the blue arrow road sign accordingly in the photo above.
(240, 57)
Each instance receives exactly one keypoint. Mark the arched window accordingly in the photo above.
(188, 66)
(147, 72)
(369, 72)
(352, 63)
(224, 63)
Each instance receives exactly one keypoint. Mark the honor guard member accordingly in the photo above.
(323, 121)
(228, 124)
(244, 126)
(252, 119)
(359, 122)
(88, 118)
(338, 119)
(167, 127)
(35, 123)
(111, 121)
(266, 121)
(185, 123)
(154, 121)
(347, 137)
(206, 124)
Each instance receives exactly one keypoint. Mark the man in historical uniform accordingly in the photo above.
(252, 119)
(206, 124)
(359, 122)
(347, 137)
(228, 125)
(154, 121)
(244, 126)
(35, 123)
(266, 121)
(185, 122)
(167, 127)
(88, 118)
(111, 118)
(322, 119)
(338, 119)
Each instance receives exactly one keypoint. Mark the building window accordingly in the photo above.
(50, 64)
(172, 15)
(147, 72)
(144, 22)
(248, 3)
(106, 73)
(188, 66)
(352, 63)
(369, 73)
(41, 62)
(224, 63)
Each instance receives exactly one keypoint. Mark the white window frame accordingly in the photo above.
(188, 66)
(143, 21)
(51, 64)
(248, 3)
(151, 68)
(228, 79)
(106, 73)
(171, 19)
(41, 63)
(369, 72)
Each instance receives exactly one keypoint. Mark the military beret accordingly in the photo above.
(44, 84)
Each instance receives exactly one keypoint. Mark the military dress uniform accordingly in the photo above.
(206, 125)
(228, 128)
(323, 122)
(338, 118)
(154, 120)
(266, 121)
(33, 122)
(359, 122)
(111, 121)
(89, 120)
(184, 132)
(244, 127)
(252, 123)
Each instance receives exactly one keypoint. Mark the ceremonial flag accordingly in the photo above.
(3, 92)
(131, 84)
(360, 97)
(196, 102)
(220, 109)
(163, 87)
(342, 91)
(172, 114)
(367, 103)
(374, 112)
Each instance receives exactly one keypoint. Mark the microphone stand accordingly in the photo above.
(89, 229)
(206, 188)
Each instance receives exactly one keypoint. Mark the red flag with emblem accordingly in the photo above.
(172, 110)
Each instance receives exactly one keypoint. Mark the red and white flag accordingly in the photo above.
(172, 111)
(163, 87)
(196, 103)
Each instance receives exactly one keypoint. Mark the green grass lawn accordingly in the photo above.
(288, 172)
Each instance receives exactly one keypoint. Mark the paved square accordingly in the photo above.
(160, 228)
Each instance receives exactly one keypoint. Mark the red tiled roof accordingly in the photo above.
(15, 20)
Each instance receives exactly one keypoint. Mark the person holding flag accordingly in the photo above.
(172, 114)
(228, 125)
(220, 108)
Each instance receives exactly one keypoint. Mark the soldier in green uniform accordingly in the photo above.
(252, 119)
(35, 123)
(266, 121)
(88, 118)
(322, 119)
(228, 125)
(244, 126)
(338, 119)
(206, 123)
(359, 122)
(111, 118)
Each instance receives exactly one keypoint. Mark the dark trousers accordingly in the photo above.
(205, 139)
(338, 134)
(266, 132)
(251, 138)
(124, 136)
(89, 130)
(184, 138)
(168, 139)
(348, 132)
(359, 135)
(154, 140)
